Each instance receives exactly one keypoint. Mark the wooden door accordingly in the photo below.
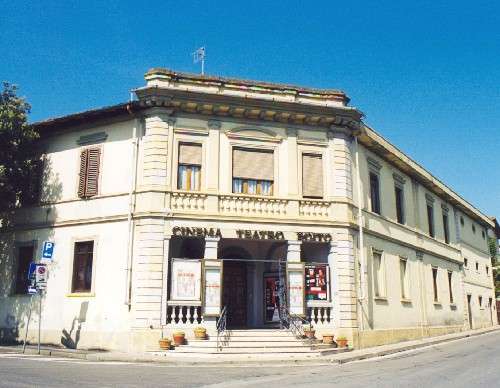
(235, 293)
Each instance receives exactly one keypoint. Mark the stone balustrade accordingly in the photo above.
(314, 208)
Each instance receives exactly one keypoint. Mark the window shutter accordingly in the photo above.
(92, 172)
(253, 164)
(83, 173)
(312, 176)
(190, 154)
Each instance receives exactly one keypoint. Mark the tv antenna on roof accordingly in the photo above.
(199, 56)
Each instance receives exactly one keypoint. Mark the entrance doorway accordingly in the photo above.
(469, 310)
(235, 293)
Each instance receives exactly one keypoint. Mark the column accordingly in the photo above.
(293, 251)
(334, 283)
(211, 246)
(342, 161)
(164, 294)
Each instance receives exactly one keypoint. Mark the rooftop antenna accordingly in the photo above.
(199, 56)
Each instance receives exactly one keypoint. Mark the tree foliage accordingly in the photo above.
(20, 163)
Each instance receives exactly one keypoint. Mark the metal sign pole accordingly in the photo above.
(39, 319)
(28, 324)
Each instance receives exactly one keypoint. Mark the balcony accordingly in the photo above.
(241, 205)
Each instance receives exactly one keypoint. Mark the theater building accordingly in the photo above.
(208, 195)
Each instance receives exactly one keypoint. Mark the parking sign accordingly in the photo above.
(48, 250)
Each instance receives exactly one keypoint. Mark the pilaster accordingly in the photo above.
(293, 251)
(340, 138)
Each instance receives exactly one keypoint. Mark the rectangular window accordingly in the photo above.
(378, 275)
(25, 256)
(82, 266)
(89, 172)
(480, 300)
(477, 266)
(253, 172)
(403, 273)
(487, 270)
(312, 176)
(375, 193)
(189, 167)
(450, 287)
(430, 219)
(465, 262)
(399, 204)
(434, 284)
(446, 228)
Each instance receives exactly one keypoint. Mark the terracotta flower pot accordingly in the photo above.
(342, 342)
(200, 333)
(309, 333)
(328, 339)
(178, 338)
(164, 343)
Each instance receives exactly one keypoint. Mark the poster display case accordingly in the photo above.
(186, 280)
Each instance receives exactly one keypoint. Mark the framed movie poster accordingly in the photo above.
(295, 272)
(213, 285)
(271, 298)
(317, 278)
(186, 280)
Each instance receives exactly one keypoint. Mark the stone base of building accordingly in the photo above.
(370, 338)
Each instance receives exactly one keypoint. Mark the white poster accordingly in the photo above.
(296, 292)
(212, 291)
(186, 279)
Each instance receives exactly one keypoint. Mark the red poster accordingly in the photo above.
(316, 282)
(271, 297)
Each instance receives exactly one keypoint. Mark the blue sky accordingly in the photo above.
(425, 73)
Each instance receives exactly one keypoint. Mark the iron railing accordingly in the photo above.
(294, 324)
(222, 333)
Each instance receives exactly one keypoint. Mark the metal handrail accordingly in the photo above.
(293, 323)
(221, 328)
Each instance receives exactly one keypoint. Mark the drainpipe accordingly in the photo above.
(131, 205)
(362, 260)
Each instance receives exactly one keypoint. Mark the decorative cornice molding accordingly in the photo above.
(374, 164)
(398, 179)
(429, 198)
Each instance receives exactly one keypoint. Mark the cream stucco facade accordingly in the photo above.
(140, 222)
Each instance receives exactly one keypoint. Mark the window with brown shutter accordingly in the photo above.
(189, 167)
(312, 176)
(89, 172)
(253, 171)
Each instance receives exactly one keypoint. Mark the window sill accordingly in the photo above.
(406, 301)
(453, 306)
(380, 298)
(438, 304)
(80, 295)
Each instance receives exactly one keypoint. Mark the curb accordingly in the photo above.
(398, 349)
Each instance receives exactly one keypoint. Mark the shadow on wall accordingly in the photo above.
(29, 225)
(67, 337)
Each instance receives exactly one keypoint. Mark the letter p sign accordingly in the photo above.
(48, 250)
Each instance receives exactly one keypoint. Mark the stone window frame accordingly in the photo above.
(399, 182)
(15, 262)
(382, 288)
(431, 226)
(445, 210)
(406, 291)
(374, 167)
(200, 138)
(267, 145)
(95, 256)
(310, 150)
(435, 285)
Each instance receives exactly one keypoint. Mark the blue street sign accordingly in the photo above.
(48, 250)
(31, 271)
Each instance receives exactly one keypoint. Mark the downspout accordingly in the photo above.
(131, 206)
(362, 258)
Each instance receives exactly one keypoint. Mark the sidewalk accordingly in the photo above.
(326, 357)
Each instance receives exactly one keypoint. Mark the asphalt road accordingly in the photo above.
(473, 362)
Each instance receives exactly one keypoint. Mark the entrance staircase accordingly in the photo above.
(255, 342)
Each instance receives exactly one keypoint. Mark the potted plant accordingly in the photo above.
(328, 339)
(341, 341)
(164, 343)
(178, 337)
(200, 333)
(309, 331)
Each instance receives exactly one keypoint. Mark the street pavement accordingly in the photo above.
(471, 362)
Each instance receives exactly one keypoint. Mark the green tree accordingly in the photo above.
(20, 163)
